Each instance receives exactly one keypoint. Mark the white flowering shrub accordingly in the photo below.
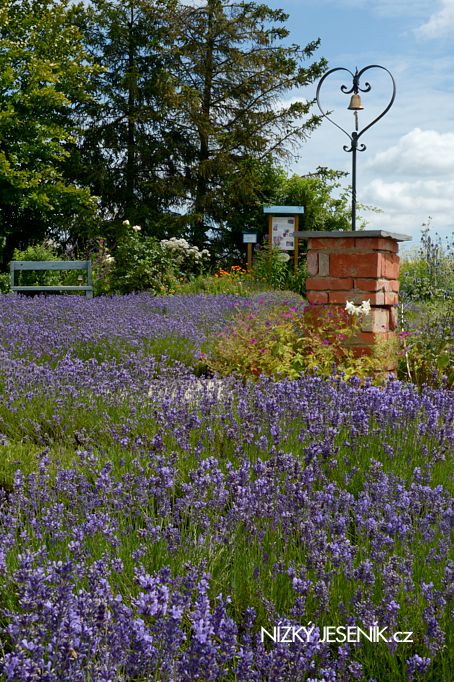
(189, 259)
(143, 263)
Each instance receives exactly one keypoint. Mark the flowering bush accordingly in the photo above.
(274, 268)
(236, 280)
(189, 260)
(142, 264)
(289, 340)
(103, 264)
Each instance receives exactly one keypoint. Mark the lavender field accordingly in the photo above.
(160, 524)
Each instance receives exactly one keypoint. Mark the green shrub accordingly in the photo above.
(428, 273)
(188, 261)
(288, 341)
(275, 269)
(38, 252)
(141, 264)
(427, 345)
(5, 283)
(102, 266)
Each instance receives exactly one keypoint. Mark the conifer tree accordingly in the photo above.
(124, 153)
(234, 73)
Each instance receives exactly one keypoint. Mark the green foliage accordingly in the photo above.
(230, 72)
(37, 252)
(428, 274)
(141, 264)
(427, 344)
(288, 341)
(274, 269)
(5, 283)
(427, 293)
(126, 141)
(43, 76)
(235, 280)
(188, 260)
(168, 113)
(102, 268)
(326, 202)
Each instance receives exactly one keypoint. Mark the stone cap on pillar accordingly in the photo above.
(384, 234)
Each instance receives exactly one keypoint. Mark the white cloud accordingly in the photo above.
(406, 205)
(440, 24)
(418, 153)
(410, 181)
(426, 197)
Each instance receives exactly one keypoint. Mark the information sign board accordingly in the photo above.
(283, 232)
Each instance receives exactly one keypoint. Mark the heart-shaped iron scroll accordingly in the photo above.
(356, 77)
(355, 135)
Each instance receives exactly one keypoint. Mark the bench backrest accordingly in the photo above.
(20, 265)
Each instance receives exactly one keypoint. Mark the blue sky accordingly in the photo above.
(408, 167)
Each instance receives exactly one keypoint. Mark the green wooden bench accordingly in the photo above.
(21, 265)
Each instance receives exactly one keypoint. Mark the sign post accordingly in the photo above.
(249, 238)
(283, 227)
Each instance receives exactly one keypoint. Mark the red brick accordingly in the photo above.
(317, 297)
(360, 351)
(329, 283)
(323, 264)
(376, 244)
(395, 285)
(369, 338)
(389, 364)
(393, 319)
(355, 265)
(391, 299)
(312, 263)
(372, 285)
(356, 298)
(390, 266)
(376, 321)
(331, 243)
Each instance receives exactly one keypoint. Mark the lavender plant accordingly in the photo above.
(153, 521)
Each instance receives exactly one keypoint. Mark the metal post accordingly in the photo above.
(354, 150)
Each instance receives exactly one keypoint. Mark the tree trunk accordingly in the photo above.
(131, 141)
(202, 186)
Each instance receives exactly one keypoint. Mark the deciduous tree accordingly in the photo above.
(43, 74)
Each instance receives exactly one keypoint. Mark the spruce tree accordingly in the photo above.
(124, 151)
(234, 72)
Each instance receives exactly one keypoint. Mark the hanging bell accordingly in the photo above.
(355, 103)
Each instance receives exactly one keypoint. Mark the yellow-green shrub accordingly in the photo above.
(288, 341)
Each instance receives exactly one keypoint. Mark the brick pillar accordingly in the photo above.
(357, 266)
